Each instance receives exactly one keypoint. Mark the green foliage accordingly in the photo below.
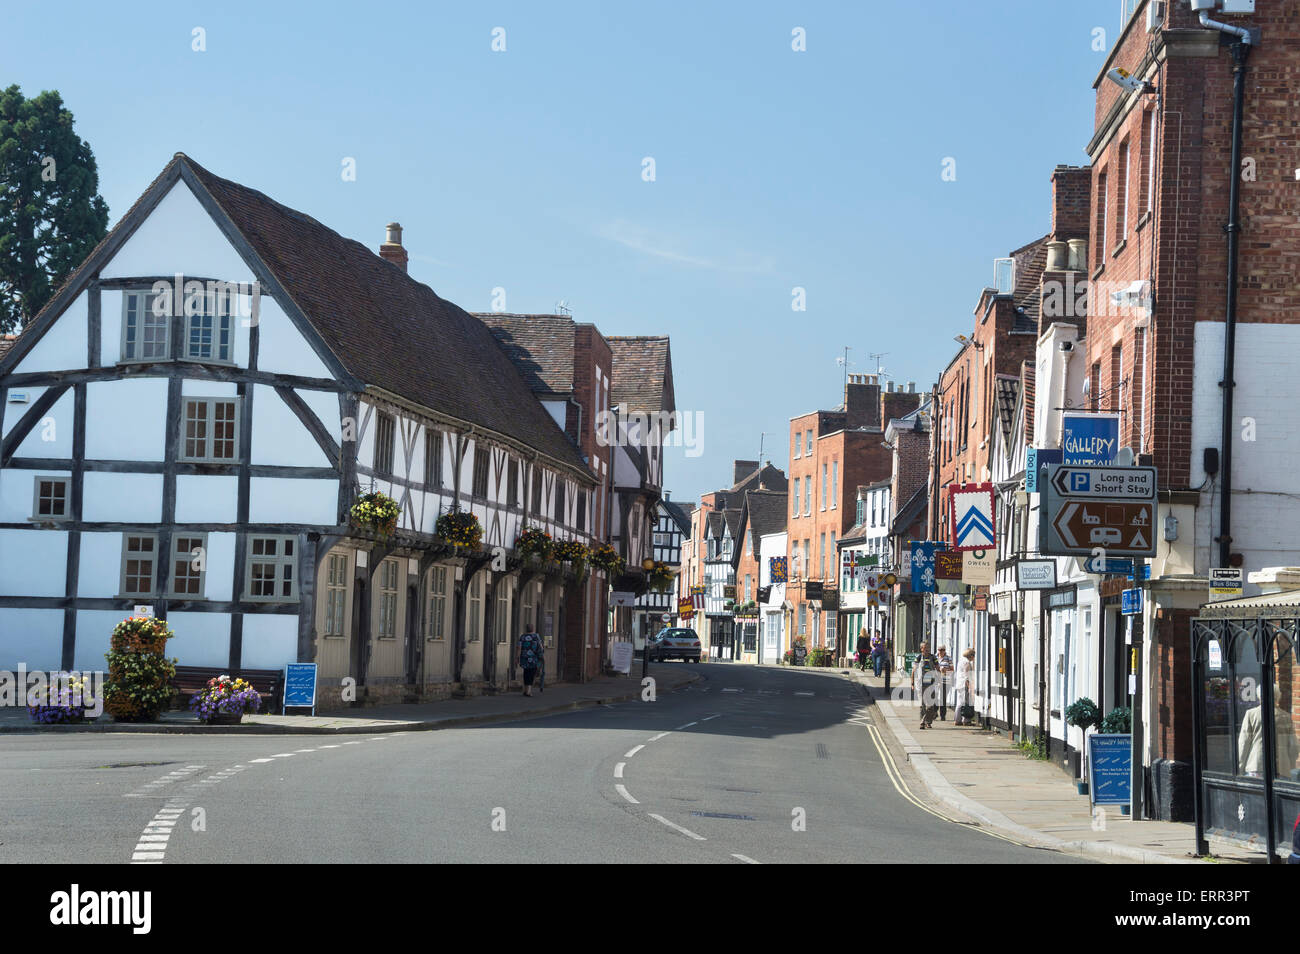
(819, 656)
(1118, 721)
(376, 511)
(460, 528)
(1083, 714)
(51, 213)
(139, 675)
(1035, 749)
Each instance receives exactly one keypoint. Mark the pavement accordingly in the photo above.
(980, 774)
(416, 717)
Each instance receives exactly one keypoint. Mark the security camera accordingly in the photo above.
(1126, 80)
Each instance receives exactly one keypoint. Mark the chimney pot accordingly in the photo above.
(391, 250)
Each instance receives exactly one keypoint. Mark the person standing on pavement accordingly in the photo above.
(864, 647)
(925, 680)
(964, 686)
(877, 652)
(530, 659)
(944, 665)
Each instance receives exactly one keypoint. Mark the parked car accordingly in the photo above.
(674, 644)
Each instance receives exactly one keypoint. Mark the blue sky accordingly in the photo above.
(522, 169)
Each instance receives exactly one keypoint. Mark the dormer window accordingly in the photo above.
(206, 324)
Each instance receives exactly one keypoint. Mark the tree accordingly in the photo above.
(51, 213)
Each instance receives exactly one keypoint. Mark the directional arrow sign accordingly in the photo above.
(1108, 483)
(1121, 529)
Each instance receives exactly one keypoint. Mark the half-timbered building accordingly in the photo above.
(188, 422)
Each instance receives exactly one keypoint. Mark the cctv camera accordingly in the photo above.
(1125, 80)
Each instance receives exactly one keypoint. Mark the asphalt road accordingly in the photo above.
(749, 765)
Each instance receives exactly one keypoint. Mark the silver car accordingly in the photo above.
(674, 644)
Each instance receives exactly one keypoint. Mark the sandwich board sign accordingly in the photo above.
(1110, 767)
(299, 687)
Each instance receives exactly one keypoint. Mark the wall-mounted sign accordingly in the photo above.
(1226, 583)
(145, 611)
(622, 598)
(1089, 438)
(1035, 459)
(1216, 655)
(1036, 575)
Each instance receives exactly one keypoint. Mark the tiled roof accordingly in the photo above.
(766, 510)
(642, 373)
(1027, 375)
(1007, 390)
(1030, 262)
(733, 521)
(770, 477)
(541, 346)
(387, 329)
(680, 515)
(714, 526)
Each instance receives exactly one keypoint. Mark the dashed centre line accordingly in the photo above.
(656, 738)
(745, 858)
(686, 726)
(676, 827)
(618, 769)
(633, 751)
(622, 790)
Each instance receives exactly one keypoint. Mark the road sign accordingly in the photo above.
(1226, 583)
(1131, 602)
(1146, 573)
(1089, 507)
(971, 506)
(1108, 483)
(1104, 565)
(1090, 438)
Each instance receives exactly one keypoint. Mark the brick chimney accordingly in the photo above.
(742, 469)
(862, 401)
(391, 250)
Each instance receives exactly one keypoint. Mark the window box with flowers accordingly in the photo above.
(376, 512)
(461, 529)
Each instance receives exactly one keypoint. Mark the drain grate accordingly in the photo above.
(723, 815)
(822, 751)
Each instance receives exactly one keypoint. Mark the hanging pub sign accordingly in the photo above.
(971, 510)
(947, 571)
(777, 567)
(686, 607)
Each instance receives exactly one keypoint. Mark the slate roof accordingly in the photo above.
(733, 522)
(910, 511)
(679, 514)
(1007, 391)
(541, 346)
(768, 475)
(641, 378)
(766, 510)
(384, 327)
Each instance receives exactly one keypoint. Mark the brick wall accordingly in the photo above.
(1173, 704)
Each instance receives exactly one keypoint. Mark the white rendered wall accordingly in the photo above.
(33, 562)
(126, 420)
(283, 349)
(122, 498)
(269, 641)
(204, 498)
(63, 345)
(94, 636)
(293, 500)
(279, 437)
(17, 493)
(99, 572)
(218, 585)
(202, 639)
(14, 411)
(52, 435)
(33, 637)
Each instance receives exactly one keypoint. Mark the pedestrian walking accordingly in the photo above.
(864, 647)
(964, 688)
(925, 681)
(888, 661)
(530, 659)
(877, 652)
(944, 664)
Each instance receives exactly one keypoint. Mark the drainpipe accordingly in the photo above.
(1240, 50)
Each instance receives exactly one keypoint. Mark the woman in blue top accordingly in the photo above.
(530, 659)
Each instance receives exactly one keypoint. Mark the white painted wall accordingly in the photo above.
(32, 562)
(94, 636)
(178, 236)
(122, 498)
(14, 410)
(293, 500)
(99, 572)
(17, 492)
(205, 498)
(52, 435)
(219, 581)
(63, 345)
(283, 349)
(1265, 515)
(202, 639)
(33, 637)
(126, 420)
(279, 437)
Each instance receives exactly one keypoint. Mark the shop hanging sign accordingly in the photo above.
(979, 567)
(923, 565)
(971, 509)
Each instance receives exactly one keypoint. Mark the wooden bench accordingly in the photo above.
(190, 679)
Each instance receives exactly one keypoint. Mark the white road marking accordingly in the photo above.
(304, 750)
(656, 738)
(353, 742)
(733, 690)
(633, 751)
(805, 693)
(154, 837)
(259, 760)
(329, 746)
(147, 856)
(714, 716)
(686, 726)
(745, 858)
(673, 825)
(622, 790)
(618, 769)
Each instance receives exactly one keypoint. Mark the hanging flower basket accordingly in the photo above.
(661, 577)
(605, 557)
(376, 512)
(460, 528)
(534, 542)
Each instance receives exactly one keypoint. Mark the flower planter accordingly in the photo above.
(225, 718)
